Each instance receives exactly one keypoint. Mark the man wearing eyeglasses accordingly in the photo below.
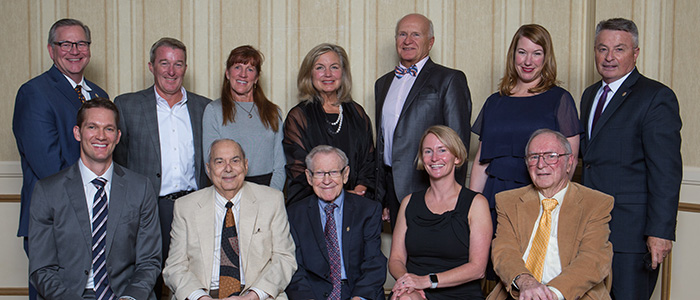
(337, 235)
(45, 111)
(552, 236)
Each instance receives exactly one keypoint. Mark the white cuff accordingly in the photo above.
(196, 294)
(556, 291)
(261, 294)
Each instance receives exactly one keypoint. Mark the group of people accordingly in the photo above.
(165, 179)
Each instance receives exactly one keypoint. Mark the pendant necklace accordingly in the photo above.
(250, 112)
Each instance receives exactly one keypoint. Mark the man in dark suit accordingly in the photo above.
(631, 150)
(93, 228)
(552, 236)
(162, 132)
(417, 95)
(45, 110)
(359, 265)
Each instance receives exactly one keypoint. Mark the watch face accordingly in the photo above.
(433, 278)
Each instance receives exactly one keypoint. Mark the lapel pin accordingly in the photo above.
(624, 93)
(347, 229)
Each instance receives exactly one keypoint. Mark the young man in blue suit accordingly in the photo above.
(631, 150)
(45, 110)
(337, 235)
(93, 228)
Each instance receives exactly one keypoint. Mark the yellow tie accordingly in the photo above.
(535, 261)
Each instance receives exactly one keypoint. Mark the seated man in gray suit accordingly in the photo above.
(552, 236)
(93, 228)
(230, 240)
(343, 243)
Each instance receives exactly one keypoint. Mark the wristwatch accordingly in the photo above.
(433, 280)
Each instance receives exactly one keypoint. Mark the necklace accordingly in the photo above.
(338, 121)
(250, 112)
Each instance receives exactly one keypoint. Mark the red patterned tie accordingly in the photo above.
(333, 250)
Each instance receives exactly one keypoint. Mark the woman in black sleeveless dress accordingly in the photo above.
(442, 235)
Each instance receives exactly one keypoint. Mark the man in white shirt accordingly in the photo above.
(162, 132)
(260, 248)
(552, 236)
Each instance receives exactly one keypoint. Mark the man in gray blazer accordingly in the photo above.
(416, 95)
(93, 228)
(162, 132)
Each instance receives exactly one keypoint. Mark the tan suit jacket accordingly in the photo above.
(584, 250)
(268, 257)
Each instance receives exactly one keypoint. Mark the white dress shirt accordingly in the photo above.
(84, 88)
(614, 86)
(176, 146)
(552, 262)
(87, 177)
(220, 205)
(393, 105)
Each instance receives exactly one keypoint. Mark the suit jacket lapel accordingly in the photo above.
(248, 215)
(620, 96)
(61, 84)
(76, 196)
(196, 118)
(206, 228)
(528, 209)
(569, 221)
(151, 114)
(348, 216)
(421, 80)
(117, 197)
(317, 229)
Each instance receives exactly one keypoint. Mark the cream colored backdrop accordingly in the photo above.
(470, 35)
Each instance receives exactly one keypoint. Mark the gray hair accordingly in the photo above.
(168, 42)
(620, 24)
(431, 31)
(64, 23)
(560, 137)
(325, 149)
(222, 140)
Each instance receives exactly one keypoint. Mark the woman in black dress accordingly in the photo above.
(442, 235)
(327, 115)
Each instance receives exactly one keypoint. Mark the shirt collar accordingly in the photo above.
(615, 85)
(338, 201)
(82, 83)
(88, 175)
(419, 64)
(559, 196)
(162, 100)
(221, 200)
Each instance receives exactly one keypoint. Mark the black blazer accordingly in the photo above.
(365, 265)
(633, 154)
(439, 96)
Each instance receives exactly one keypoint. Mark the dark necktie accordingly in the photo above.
(333, 250)
(400, 71)
(601, 104)
(99, 234)
(229, 272)
(78, 89)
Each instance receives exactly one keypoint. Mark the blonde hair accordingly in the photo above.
(307, 92)
(449, 138)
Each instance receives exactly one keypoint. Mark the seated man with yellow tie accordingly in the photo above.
(230, 240)
(552, 236)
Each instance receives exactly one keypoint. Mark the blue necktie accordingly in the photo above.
(400, 71)
(99, 234)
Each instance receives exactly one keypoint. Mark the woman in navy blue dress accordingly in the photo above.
(528, 99)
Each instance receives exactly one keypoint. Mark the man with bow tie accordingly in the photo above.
(416, 95)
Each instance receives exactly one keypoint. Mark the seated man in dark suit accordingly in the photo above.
(338, 250)
(93, 228)
(552, 236)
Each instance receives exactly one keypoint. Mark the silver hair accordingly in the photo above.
(64, 23)
(326, 150)
(219, 141)
(620, 24)
(560, 137)
(431, 31)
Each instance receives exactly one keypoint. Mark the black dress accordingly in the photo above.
(308, 125)
(437, 243)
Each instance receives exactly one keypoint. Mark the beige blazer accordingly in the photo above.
(267, 248)
(584, 250)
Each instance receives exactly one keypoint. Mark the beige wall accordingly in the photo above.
(470, 35)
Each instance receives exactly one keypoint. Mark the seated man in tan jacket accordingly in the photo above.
(552, 236)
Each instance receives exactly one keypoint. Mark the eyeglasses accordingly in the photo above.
(549, 158)
(67, 46)
(331, 173)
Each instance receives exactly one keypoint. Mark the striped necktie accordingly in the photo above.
(535, 260)
(333, 250)
(99, 234)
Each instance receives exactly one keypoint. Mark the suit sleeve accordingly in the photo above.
(275, 276)
(36, 131)
(43, 258)
(592, 262)
(373, 268)
(211, 130)
(457, 111)
(278, 174)
(661, 140)
(178, 274)
(121, 151)
(505, 249)
(148, 248)
(299, 287)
